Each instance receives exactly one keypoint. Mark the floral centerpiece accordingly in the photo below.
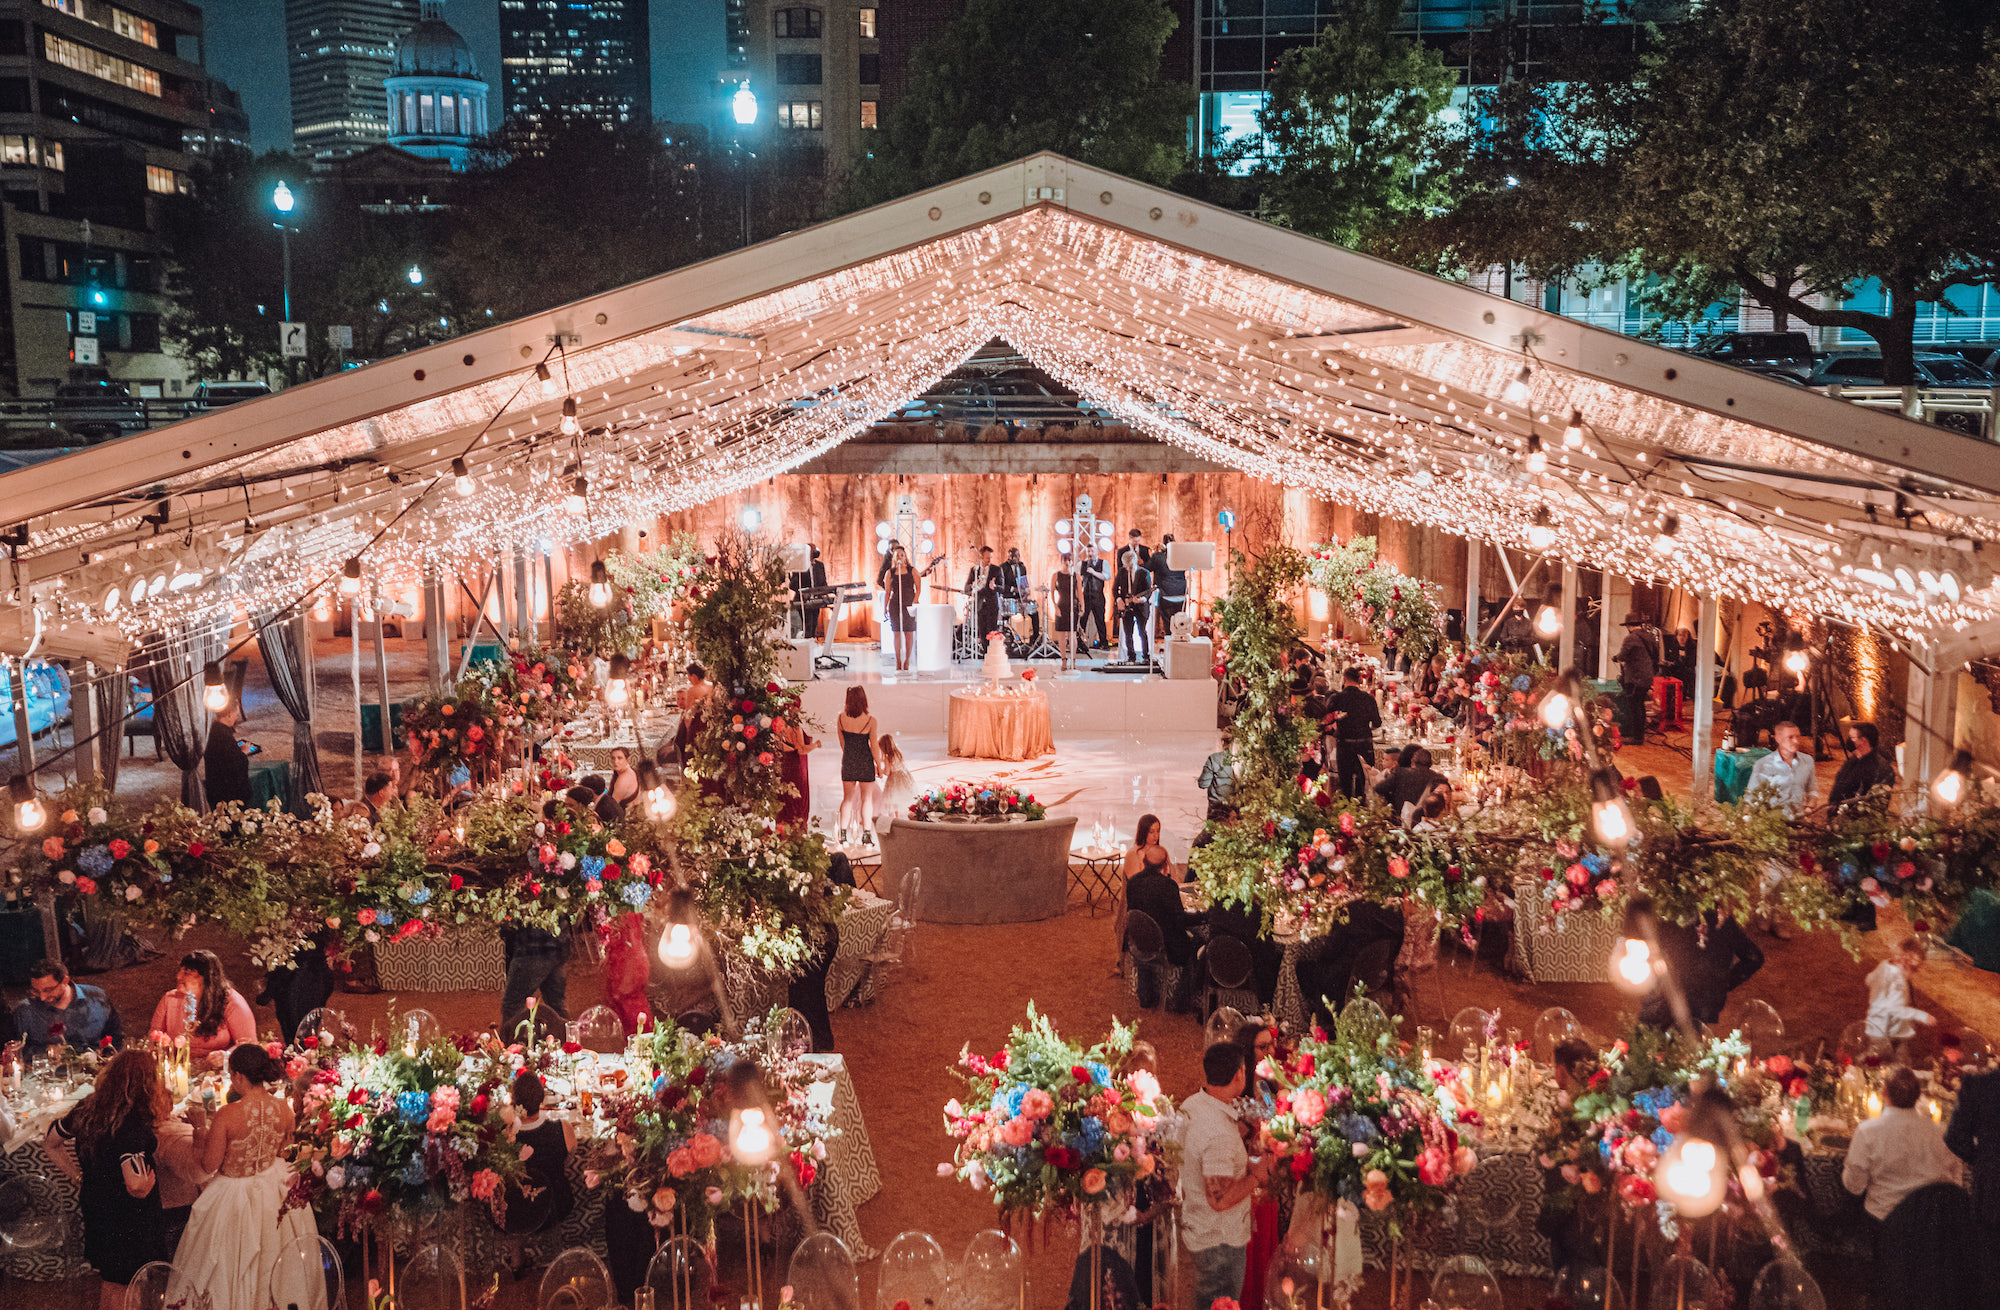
(741, 735)
(1358, 1121)
(669, 1157)
(529, 687)
(764, 888)
(1395, 607)
(1048, 1125)
(451, 730)
(976, 800)
(399, 1132)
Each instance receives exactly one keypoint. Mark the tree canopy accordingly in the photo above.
(1010, 77)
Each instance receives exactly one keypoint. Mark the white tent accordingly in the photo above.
(1253, 346)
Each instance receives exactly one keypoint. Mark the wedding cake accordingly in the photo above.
(996, 666)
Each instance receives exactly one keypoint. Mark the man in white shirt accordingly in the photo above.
(1788, 772)
(1898, 1151)
(1218, 1178)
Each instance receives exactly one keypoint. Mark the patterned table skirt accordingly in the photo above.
(754, 991)
(51, 1264)
(464, 961)
(1492, 1217)
(1576, 947)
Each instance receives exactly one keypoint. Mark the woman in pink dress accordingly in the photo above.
(205, 1009)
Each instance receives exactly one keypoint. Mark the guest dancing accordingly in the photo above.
(860, 760)
(205, 1009)
(117, 1170)
(897, 788)
(234, 1254)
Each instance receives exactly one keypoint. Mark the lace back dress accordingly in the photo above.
(238, 1252)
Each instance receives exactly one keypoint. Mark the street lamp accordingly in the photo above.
(744, 106)
(282, 200)
(416, 276)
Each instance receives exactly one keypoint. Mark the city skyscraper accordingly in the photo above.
(567, 56)
(340, 52)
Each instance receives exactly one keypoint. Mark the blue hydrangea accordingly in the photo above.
(1010, 1100)
(1596, 863)
(413, 1171)
(420, 896)
(1090, 1134)
(1287, 823)
(1521, 682)
(95, 861)
(414, 1107)
(1653, 1100)
(635, 893)
(1101, 1073)
(384, 919)
(1356, 1128)
(590, 866)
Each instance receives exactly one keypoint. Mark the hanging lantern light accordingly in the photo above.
(543, 376)
(350, 577)
(1690, 1174)
(1573, 434)
(750, 1138)
(1556, 709)
(1797, 658)
(1538, 459)
(1517, 390)
(1632, 961)
(600, 584)
(578, 500)
(1608, 813)
(615, 692)
(461, 476)
(679, 944)
(215, 692)
(1548, 622)
(1541, 529)
(570, 427)
(1950, 785)
(29, 812)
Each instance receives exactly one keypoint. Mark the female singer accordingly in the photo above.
(898, 581)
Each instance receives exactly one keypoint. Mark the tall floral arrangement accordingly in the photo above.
(1265, 648)
(1392, 605)
(1046, 1124)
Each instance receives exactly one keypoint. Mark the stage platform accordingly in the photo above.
(1081, 703)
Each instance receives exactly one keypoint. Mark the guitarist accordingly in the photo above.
(1132, 590)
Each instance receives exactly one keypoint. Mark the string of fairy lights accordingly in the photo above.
(1281, 382)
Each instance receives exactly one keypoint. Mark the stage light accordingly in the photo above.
(883, 545)
(1516, 392)
(1690, 1175)
(1104, 545)
(1538, 459)
(461, 476)
(578, 500)
(928, 528)
(215, 692)
(1062, 527)
(1062, 547)
(1797, 658)
(1548, 623)
(1556, 709)
(600, 584)
(615, 692)
(751, 518)
(882, 529)
(1950, 785)
(350, 578)
(1541, 529)
(750, 1139)
(927, 546)
(1608, 814)
(570, 427)
(1573, 434)
(29, 812)
(109, 601)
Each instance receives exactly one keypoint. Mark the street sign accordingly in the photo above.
(292, 336)
(86, 350)
(86, 322)
(340, 338)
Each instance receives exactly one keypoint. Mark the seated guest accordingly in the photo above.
(206, 1010)
(1410, 789)
(1709, 966)
(112, 1132)
(378, 793)
(1890, 1015)
(1246, 924)
(1151, 892)
(542, 1199)
(624, 778)
(61, 1012)
(1865, 770)
(1898, 1151)
(1146, 850)
(1974, 1137)
(1372, 934)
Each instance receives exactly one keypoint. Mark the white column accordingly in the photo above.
(1704, 698)
(1930, 727)
(1566, 644)
(1604, 647)
(1475, 551)
(83, 724)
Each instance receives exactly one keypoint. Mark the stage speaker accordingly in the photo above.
(797, 558)
(1191, 556)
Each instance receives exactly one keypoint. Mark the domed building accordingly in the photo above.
(437, 101)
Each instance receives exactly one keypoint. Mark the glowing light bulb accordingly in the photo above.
(1950, 785)
(1573, 434)
(1632, 963)
(29, 812)
(677, 946)
(659, 804)
(461, 477)
(350, 578)
(1538, 459)
(577, 503)
(1690, 1177)
(1556, 710)
(600, 584)
(1541, 529)
(750, 1137)
(1548, 622)
(570, 426)
(215, 692)
(1516, 392)
(1796, 661)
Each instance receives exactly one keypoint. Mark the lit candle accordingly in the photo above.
(1874, 1104)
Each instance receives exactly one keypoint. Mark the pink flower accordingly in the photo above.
(1308, 1106)
(1640, 1154)
(485, 1183)
(1434, 1167)
(1017, 1132)
(707, 1151)
(365, 916)
(1037, 1104)
(441, 1120)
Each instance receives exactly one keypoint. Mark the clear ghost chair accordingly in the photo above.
(1589, 1287)
(330, 1026)
(1785, 1285)
(792, 1035)
(1361, 1022)
(1760, 1024)
(32, 1215)
(148, 1288)
(681, 1276)
(600, 1029)
(1463, 1282)
(913, 1273)
(821, 1275)
(1684, 1283)
(1468, 1028)
(577, 1280)
(1294, 1278)
(1553, 1027)
(991, 1275)
(432, 1280)
(308, 1275)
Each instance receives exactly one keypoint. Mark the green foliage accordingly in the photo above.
(1352, 121)
(1392, 605)
(1008, 78)
(735, 611)
(1261, 628)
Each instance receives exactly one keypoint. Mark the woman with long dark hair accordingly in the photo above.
(233, 1255)
(860, 759)
(205, 1009)
(113, 1133)
(898, 581)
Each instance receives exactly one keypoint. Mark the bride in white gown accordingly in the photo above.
(237, 1254)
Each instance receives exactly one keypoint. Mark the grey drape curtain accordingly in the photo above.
(290, 674)
(174, 662)
(109, 693)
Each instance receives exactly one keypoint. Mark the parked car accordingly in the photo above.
(214, 395)
(97, 411)
(48, 699)
(1980, 354)
(1764, 352)
(1934, 369)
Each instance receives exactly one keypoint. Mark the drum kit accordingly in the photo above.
(1026, 639)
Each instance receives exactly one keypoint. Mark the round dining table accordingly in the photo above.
(999, 725)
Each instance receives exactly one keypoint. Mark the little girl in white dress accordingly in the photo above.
(898, 787)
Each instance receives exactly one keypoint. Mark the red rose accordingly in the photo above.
(120, 848)
(372, 1203)
(309, 1042)
(1920, 926)
(353, 1122)
(196, 849)
(358, 1096)
(457, 881)
(104, 1043)
(1880, 851)
(571, 1048)
(749, 706)
(478, 1106)
(698, 1075)
(1080, 1073)
(562, 829)
(771, 687)
(1302, 1164)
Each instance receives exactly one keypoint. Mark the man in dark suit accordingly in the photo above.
(1974, 1137)
(1153, 893)
(1865, 770)
(1095, 572)
(1638, 660)
(1356, 716)
(1132, 588)
(225, 768)
(982, 584)
(1709, 961)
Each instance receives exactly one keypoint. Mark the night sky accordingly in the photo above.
(245, 42)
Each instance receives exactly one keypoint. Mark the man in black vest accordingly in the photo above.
(1096, 572)
(226, 768)
(1355, 716)
(982, 584)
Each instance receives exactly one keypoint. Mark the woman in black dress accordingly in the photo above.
(544, 1199)
(898, 581)
(112, 1131)
(859, 756)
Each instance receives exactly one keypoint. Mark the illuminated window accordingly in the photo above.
(427, 112)
(52, 155)
(95, 63)
(160, 181)
(128, 25)
(17, 150)
(448, 115)
(868, 113)
(867, 22)
(800, 113)
(797, 22)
